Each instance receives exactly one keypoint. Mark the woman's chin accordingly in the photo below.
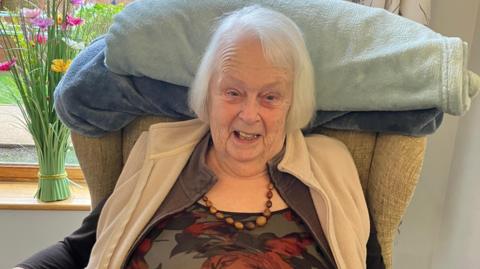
(246, 158)
(244, 155)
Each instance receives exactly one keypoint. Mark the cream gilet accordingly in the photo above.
(322, 163)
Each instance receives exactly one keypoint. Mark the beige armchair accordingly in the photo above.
(388, 165)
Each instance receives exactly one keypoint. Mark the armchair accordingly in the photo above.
(388, 165)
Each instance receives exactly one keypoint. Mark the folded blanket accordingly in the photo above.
(365, 59)
(92, 101)
(413, 122)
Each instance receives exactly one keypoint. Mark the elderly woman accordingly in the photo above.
(240, 187)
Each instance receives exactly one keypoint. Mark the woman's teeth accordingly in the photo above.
(246, 136)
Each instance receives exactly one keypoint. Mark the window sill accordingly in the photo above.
(18, 185)
(19, 195)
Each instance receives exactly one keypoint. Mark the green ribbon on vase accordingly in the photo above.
(53, 187)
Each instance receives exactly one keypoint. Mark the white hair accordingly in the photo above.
(283, 45)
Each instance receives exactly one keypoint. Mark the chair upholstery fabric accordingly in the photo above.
(388, 165)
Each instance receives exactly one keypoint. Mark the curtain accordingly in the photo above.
(417, 10)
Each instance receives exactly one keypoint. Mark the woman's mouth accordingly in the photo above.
(245, 136)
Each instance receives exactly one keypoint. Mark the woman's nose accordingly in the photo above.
(249, 113)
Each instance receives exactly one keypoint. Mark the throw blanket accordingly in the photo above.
(365, 59)
(92, 101)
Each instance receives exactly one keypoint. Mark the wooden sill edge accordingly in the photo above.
(23, 172)
(18, 185)
(16, 195)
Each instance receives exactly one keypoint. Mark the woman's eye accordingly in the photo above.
(232, 93)
(272, 98)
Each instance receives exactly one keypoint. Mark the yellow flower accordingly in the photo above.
(59, 19)
(60, 66)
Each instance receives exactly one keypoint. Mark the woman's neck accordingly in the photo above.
(226, 168)
(240, 189)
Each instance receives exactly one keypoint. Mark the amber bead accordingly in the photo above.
(219, 215)
(208, 203)
(270, 186)
(213, 210)
(205, 198)
(261, 221)
(268, 203)
(229, 220)
(267, 213)
(269, 194)
(250, 225)
(238, 225)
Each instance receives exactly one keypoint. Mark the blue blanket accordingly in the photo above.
(365, 59)
(92, 101)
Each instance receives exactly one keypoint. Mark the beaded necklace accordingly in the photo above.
(249, 225)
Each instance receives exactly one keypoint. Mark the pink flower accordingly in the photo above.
(31, 13)
(72, 21)
(6, 66)
(42, 23)
(76, 2)
(41, 38)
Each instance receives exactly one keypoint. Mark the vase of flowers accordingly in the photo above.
(39, 45)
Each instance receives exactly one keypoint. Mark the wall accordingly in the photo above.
(23, 233)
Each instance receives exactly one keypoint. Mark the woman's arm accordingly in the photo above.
(73, 252)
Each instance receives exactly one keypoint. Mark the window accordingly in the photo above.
(18, 159)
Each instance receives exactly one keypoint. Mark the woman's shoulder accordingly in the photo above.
(316, 151)
(325, 145)
(332, 157)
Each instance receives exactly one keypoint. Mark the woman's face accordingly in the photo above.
(248, 103)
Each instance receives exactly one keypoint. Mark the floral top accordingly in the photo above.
(194, 238)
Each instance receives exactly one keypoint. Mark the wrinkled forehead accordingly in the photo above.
(246, 51)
